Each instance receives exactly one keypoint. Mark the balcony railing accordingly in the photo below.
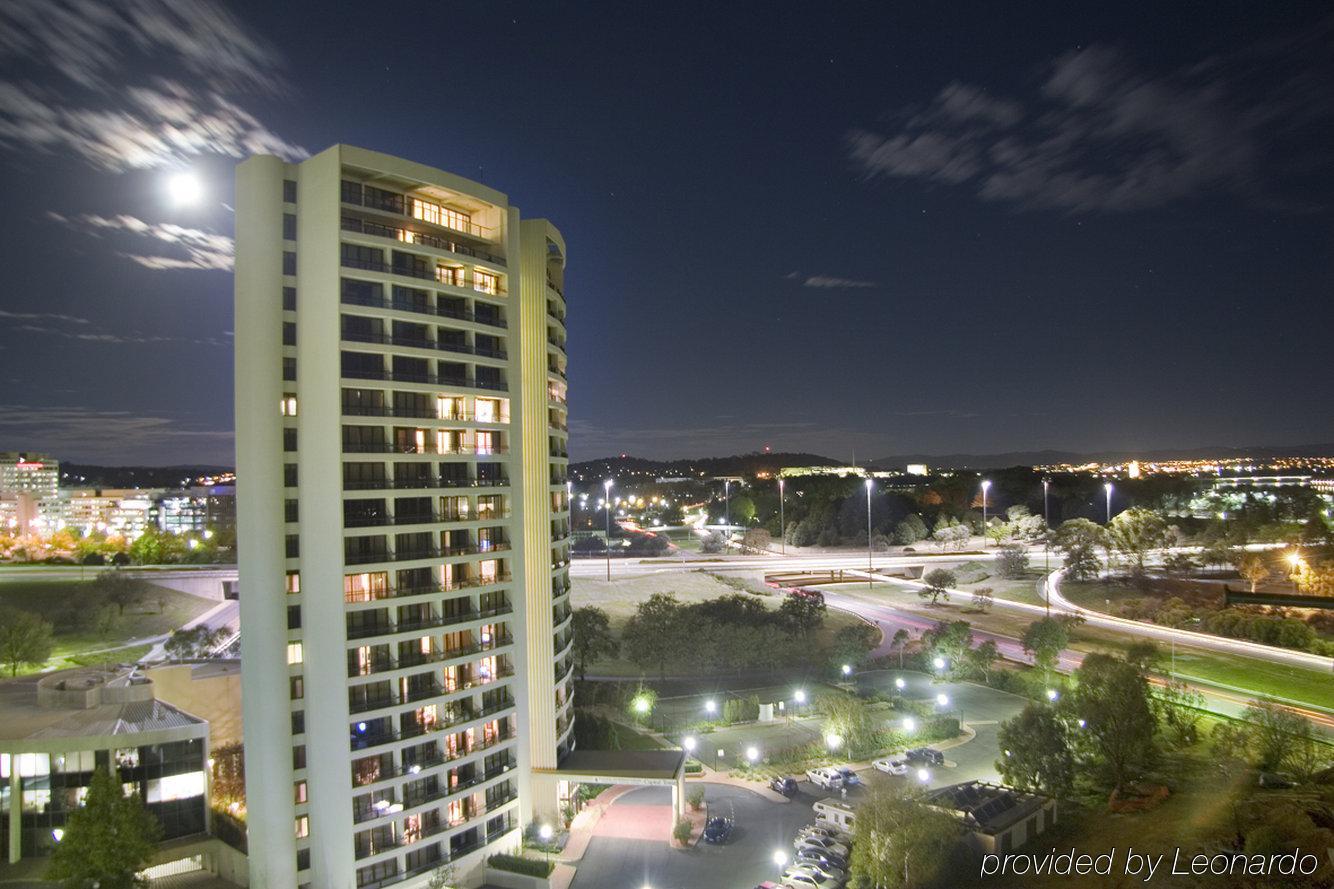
(428, 379)
(388, 662)
(366, 740)
(375, 229)
(385, 447)
(419, 413)
(398, 305)
(389, 628)
(405, 484)
(382, 339)
(360, 596)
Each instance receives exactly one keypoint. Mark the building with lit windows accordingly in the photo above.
(32, 474)
(403, 519)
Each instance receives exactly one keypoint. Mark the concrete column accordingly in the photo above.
(15, 810)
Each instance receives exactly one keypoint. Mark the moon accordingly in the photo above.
(185, 189)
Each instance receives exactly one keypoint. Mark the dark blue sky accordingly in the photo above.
(885, 228)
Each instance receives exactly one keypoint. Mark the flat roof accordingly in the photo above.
(22, 719)
(988, 808)
(659, 765)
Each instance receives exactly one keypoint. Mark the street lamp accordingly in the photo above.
(1295, 560)
(847, 669)
(727, 507)
(1052, 694)
(938, 663)
(986, 484)
(606, 491)
(780, 857)
(799, 696)
(899, 683)
(688, 742)
(923, 775)
(710, 706)
(545, 833)
(752, 753)
(1108, 489)
(833, 741)
(909, 724)
(1046, 503)
(869, 564)
(782, 520)
(942, 700)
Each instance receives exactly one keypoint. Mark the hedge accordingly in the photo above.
(532, 867)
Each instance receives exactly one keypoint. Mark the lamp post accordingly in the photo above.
(727, 507)
(1108, 489)
(782, 520)
(545, 833)
(1046, 546)
(606, 499)
(869, 563)
(1046, 503)
(986, 483)
(1295, 560)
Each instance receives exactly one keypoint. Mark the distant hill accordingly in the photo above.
(1036, 458)
(739, 464)
(80, 475)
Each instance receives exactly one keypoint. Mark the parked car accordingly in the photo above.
(892, 765)
(824, 844)
(927, 755)
(827, 870)
(826, 860)
(717, 830)
(850, 778)
(829, 779)
(787, 786)
(820, 830)
(802, 879)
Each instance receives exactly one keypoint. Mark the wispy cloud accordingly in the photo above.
(201, 57)
(1102, 134)
(195, 248)
(90, 434)
(42, 316)
(120, 338)
(830, 282)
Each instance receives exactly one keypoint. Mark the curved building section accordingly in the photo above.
(402, 522)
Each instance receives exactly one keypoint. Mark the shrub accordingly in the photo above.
(695, 796)
(681, 832)
(532, 867)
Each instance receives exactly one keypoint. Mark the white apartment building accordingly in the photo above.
(403, 519)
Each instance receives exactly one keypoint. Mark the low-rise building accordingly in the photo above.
(996, 818)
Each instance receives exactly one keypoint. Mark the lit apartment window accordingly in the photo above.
(454, 219)
(289, 406)
(426, 210)
(407, 236)
(486, 571)
(487, 410)
(484, 282)
(448, 274)
(293, 582)
(302, 826)
(300, 792)
(486, 442)
(447, 408)
(429, 211)
(294, 653)
(365, 587)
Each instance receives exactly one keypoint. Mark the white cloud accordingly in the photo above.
(195, 248)
(830, 282)
(90, 434)
(42, 316)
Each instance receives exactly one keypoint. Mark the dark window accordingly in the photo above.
(383, 200)
(293, 546)
(351, 192)
(299, 756)
(289, 191)
(289, 262)
(289, 439)
(289, 372)
(289, 475)
(358, 257)
(362, 293)
(289, 299)
(297, 690)
(302, 859)
(299, 722)
(289, 226)
(290, 511)
(289, 333)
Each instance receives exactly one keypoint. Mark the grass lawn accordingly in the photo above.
(1023, 589)
(160, 611)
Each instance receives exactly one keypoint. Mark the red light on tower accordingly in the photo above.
(766, 449)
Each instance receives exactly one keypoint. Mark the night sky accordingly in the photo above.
(874, 228)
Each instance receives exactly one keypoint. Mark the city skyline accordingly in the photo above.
(875, 248)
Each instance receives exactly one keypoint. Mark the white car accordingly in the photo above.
(819, 830)
(824, 844)
(829, 779)
(800, 879)
(892, 765)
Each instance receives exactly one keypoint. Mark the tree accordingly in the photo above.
(1254, 568)
(25, 638)
(742, 509)
(847, 717)
(1078, 541)
(1276, 732)
(648, 544)
(1036, 752)
(911, 530)
(1134, 534)
(108, 840)
(652, 635)
(899, 841)
(1045, 639)
(1012, 561)
(713, 542)
(950, 641)
(1181, 707)
(854, 643)
(1112, 697)
(119, 590)
(899, 643)
(593, 639)
(1144, 654)
(802, 614)
(757, 540)
(442, 878)
(938, 582)
(996, 532)
(195, 642)
(983, 596)
(983, 659)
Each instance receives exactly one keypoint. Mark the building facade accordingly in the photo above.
(403, 518)
(33, 474)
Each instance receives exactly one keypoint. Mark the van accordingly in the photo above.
(836, 814)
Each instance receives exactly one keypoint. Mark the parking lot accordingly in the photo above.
(620, 856)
